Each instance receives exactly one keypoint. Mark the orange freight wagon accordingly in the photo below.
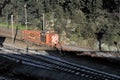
(49, 38)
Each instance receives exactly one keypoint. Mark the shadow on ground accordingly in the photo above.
(2, 39)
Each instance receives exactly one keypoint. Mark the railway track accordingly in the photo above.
(78, 69)
(56, 64)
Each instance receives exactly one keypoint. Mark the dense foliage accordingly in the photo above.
(91, 20)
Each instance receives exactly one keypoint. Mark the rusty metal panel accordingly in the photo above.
(31, 35)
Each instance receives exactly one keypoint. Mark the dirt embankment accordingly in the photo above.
(6, 38)
(8, 32)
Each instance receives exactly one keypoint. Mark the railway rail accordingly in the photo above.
(52, 63)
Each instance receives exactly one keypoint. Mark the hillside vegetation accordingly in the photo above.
(85, 23)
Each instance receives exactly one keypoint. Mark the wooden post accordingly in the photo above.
(12, 25)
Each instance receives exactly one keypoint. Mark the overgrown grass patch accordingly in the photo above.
(3, 25)
(19, 26)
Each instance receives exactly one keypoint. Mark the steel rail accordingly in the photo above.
(73, 68)
(78, 69)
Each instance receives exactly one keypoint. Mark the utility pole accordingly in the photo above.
(26, 15)
(12, 24)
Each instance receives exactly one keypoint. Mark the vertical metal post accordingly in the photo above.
(25, 6)
(119, 26)
(43, 22)
(119, 14)
(12, 28)
(26, 16)
(7, 22)
(53, 20)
